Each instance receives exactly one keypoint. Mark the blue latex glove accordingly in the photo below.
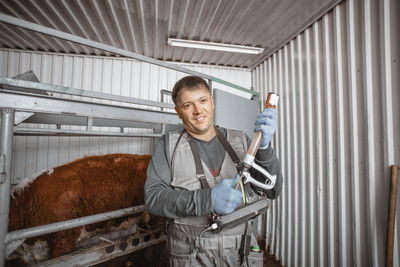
(267, 122)
(224, 197)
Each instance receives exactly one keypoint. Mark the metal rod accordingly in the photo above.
(163, 94)
(76, 39)
(59, 226)
(89, 124)
(391, 215)
(22, 131)
(6, 144)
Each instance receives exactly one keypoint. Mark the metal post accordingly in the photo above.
(6, 140)
(391, 215)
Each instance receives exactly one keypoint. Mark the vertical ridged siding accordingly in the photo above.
(338, 135)
(103, 74)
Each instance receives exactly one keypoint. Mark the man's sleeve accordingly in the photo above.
(267, 159)
(162, 199)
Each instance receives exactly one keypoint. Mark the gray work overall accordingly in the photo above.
(185, 246)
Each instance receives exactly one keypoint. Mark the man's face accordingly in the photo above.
(195, 108)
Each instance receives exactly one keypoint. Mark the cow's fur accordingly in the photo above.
(87, 186)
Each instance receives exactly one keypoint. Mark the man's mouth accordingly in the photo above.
(200, 119)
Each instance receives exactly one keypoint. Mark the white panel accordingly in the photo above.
(316, 144)
(311, 186)
(338, 135)
(102, 74)
(353, 82)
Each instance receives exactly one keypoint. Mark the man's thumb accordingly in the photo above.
(235, 180)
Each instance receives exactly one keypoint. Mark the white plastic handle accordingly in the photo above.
(272, 178)
(248, 179)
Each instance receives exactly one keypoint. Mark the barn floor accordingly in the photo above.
(153, 256)
(157, 257)
(269, 260)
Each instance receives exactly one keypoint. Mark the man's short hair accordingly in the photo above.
(189, 82)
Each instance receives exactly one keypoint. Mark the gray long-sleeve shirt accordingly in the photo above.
(164, 200)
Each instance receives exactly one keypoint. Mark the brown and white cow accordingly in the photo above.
(87, 186)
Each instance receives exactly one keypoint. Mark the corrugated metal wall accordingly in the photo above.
(109, 75)
(338, 135)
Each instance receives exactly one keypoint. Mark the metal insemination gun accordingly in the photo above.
(248, 161)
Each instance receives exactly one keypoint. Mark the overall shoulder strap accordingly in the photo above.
(232, 154)
(197, 161)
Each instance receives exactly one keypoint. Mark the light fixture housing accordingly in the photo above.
(215, 46)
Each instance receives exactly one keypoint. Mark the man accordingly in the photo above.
(192, 175)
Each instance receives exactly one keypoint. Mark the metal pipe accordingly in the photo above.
(165, 92)
(391, 215)
(60, 226)
(23, 131)
(6, 143)
(79, 40)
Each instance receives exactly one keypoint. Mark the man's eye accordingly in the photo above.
(186, 106)
(204, 100)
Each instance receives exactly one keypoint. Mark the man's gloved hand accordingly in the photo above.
(267, 122)
(224, 197)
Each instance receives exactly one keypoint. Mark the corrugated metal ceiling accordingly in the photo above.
(143, 26)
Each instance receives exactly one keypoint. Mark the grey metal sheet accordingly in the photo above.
(64, 119)
(235, 112)
(85, 109)
(47, 89)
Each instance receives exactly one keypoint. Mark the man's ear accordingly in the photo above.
(212, 101)
(177, 112)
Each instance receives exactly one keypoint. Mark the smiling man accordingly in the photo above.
(192, 176)
(196, 110)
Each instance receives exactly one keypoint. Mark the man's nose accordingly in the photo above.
(196, 109)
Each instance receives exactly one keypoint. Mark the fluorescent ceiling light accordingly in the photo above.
(215, 46)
